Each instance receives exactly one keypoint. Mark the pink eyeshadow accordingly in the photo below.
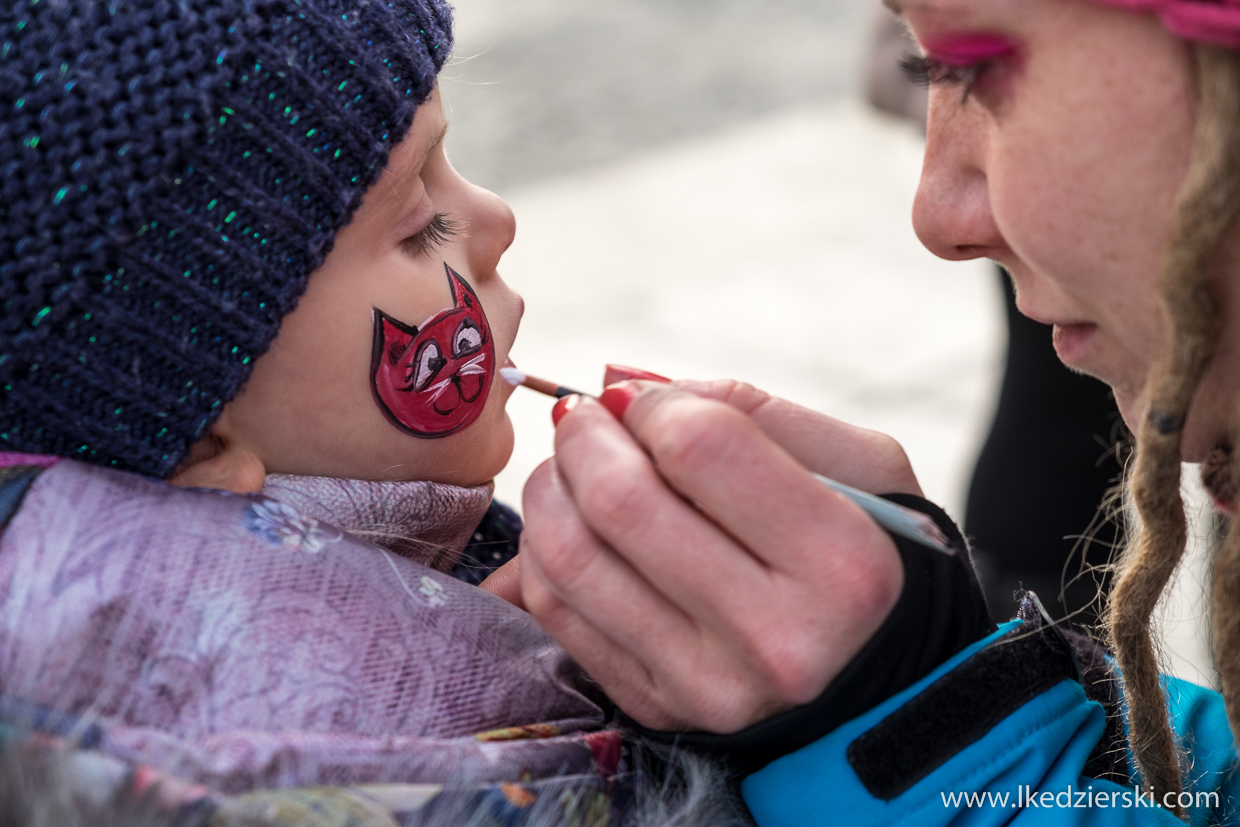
(966, 50)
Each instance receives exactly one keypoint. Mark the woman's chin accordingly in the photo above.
(1130, 407)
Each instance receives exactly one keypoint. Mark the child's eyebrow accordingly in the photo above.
(894, 5)
(440, 134)
(407, 178)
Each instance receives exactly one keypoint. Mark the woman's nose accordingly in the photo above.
(951, 213)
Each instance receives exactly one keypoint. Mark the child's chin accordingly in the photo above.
(489, 455)
(504, 441)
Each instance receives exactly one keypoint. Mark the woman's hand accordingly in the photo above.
(685, 556)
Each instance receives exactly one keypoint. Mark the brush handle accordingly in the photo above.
(897, 519)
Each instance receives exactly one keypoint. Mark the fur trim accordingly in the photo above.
(36, 790)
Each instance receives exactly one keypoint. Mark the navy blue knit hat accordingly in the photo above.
(171, 172)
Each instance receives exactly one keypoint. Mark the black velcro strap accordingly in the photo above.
(15, 481)
(960, 708)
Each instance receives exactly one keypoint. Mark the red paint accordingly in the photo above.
(617, 398)
(618, 373)
(562, 407)
(433, 381)
(605, 748)
(968, 49)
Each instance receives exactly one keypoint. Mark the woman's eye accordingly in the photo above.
(926, 71)
(467, 339)
(428, 362)
(437, 232)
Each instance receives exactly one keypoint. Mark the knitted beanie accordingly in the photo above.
(171, 173)
(1202, 21)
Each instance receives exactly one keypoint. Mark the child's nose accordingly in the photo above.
(492, 229)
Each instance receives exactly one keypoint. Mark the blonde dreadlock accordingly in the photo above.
(1206, 209)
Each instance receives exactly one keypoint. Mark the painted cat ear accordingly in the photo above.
(392, 337)
(462, 294)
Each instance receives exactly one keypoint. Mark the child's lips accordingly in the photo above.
(506, 373)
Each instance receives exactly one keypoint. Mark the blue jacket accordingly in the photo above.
(970, 746)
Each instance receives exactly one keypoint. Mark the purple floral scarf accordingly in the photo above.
(244, 642)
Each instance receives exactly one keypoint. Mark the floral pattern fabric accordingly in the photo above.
(237, 643)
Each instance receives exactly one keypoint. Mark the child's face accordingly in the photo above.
(427, 406)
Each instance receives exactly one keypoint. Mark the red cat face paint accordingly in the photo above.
(967, 49)
(433, 380)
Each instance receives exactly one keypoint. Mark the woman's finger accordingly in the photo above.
(623, 675)
(505, 582)
(860, 457)
(790, 582)
(569, 575)
(654, 663)
(621, 498)
(863, 458)
(716, 457)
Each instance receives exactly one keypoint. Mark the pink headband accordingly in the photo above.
(1203, 21)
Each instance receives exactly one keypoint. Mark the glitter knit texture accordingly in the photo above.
(171, 172)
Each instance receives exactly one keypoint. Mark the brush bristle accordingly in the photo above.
(513, 376)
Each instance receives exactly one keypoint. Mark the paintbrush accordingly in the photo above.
(905, 522)
(516, 376)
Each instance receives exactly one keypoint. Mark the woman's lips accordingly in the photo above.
(1072, 342)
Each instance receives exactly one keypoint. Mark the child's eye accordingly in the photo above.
(434, 234)
(926, 71)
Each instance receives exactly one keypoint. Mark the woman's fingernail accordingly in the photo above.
(618, 373)
(564, 406)
(617, 398)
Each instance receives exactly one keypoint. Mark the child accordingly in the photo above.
(234, 258)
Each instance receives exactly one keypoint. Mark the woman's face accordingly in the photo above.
(1062, 164)
(389, 366)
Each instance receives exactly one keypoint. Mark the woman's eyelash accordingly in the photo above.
(434, 234)
(926, 71)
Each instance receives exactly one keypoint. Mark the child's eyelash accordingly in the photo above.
(926, 71)
(434, 234)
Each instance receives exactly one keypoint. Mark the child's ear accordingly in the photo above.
(220, 460)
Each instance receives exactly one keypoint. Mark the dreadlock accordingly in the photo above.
(1206, 209)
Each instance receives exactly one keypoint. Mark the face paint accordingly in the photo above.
(968, 49)
(433, 381)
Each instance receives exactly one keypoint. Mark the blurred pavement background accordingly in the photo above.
(700, 192)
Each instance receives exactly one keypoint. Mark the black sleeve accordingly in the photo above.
(940, 611)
